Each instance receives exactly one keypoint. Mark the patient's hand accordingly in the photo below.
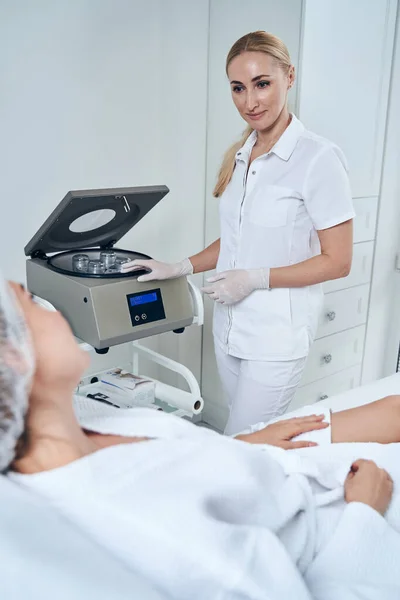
(369, 484)
(281, 433)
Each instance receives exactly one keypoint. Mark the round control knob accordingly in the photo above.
(327, 358)
(331, 315)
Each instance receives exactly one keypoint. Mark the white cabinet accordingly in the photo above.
(334, 353)
(327, 387)
(365, 221)
(343, 310)
(337, 100)
(345, 77)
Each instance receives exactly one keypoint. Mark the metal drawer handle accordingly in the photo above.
(331, 315)
(323, 397)
(327, 358)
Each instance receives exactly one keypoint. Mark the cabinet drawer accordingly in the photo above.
(327, 387)
(334, 353)
(360, 269)
(365, 221)
(344, 309)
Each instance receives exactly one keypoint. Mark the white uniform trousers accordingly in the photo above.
(256, 390)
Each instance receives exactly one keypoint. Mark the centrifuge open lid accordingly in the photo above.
(93, 218)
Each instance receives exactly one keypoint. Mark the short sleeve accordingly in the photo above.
(327, 193)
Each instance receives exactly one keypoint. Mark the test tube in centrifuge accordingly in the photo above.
(108, 257)
(96, 267)
(80, 263)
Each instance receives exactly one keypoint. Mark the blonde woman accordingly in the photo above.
(286, 226)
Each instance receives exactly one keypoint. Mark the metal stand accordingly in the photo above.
(141, 351)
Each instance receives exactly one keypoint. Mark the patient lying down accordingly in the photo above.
(266, 515)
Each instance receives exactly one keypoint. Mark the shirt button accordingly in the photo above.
(253, 172)
(239, 153)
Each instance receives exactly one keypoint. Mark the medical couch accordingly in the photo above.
(43, 556)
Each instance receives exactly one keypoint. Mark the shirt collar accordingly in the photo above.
(283, 148)
(286, 144)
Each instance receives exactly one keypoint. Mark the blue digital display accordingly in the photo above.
(146, 308)
(143, 299)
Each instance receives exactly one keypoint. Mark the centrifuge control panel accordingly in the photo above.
(145, 307)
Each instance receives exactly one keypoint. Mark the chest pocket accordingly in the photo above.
(273, 206)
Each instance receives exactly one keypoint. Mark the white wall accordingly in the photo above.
(103, 94)
(229, 20)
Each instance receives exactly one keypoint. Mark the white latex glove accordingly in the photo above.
(233, 286)
(159, 270)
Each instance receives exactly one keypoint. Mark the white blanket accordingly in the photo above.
(206, 516)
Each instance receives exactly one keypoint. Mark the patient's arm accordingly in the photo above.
(375, 422)
(282, 432)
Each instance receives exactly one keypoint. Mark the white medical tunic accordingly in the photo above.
(270, 214)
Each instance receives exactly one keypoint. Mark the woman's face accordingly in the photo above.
(58, 357)
(259, 88)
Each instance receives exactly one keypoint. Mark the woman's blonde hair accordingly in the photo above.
(257, 41)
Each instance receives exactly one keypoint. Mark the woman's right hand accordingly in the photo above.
(281, 433)
(158, 270)
(369, 484)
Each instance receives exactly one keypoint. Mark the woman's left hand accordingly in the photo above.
(282, 433)
(233, 286)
